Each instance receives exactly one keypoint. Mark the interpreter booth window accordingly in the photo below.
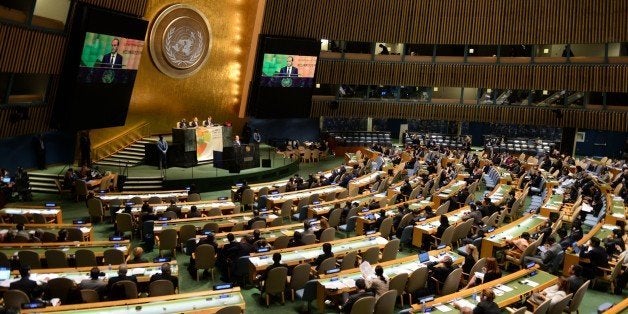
(415, 93)
(574, 99)
(595, 100)
(485, 96)
(556, 53)
(548, 98)
(51, 14)
(618, 52)
(470, 95)
(617, 100)
(325, 90)
(419, 53)
(516, 97)
(504, 97)
(383, 92)
(388, 51)
(482, 53)
(352, 91)
(379, 125)
(358, 50)
(446, 95)
(450, 53)
(331, 49)
(587, 53)
(17, 11)
(5, 78)
(28, 88)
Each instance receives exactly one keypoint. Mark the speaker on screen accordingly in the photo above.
(284, 78)
(104, 50)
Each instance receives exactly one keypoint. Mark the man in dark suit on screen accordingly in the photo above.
(289, 70)
(112, 59)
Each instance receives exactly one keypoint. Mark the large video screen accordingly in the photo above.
(109, 59)
(100, 68)
(280, 70)
(286, 72)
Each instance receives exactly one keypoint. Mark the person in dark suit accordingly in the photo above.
(255, 218)
(327, 253)
(25, 285)
(166, 274)
(276, 263)
(289, 70)
(486, 305)
(296, 240)
(94, 282)
(113, 293)
(40, 151)
(236, 141)
(597, 258)
(85, 145)
(112, 59)
(351, 299)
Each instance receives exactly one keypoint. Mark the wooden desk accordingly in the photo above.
(618, 307)
(512, 281)
(193, 302)
(326, 207)
(344, 281)
(50, 213)
(365, 180)
(448, 191)
(294, 196)
(600, 231)
(428, 227)
(224, 221)
(616, 209)
(226, 207)
(306, 253)
(142, 272)
(87, 229)
(363, 221)
(125, 196)
(553, 204)
(269, 234)
(273, 185)
(70, 248)
(497, 238)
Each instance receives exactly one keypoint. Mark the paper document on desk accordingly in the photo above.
(138, 271)
(531, 283)
(464, 303)
(443, 308)
(336, 284)
(85, 229)
(586, 208)
(504, 288)
(618, 215)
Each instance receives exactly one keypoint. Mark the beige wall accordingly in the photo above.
(215, 90)
(53, 9)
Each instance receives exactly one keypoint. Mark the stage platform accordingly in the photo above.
(206, 177)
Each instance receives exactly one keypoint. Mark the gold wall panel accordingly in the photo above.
(215, 90)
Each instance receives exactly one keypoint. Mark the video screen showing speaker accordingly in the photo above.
(279, 70)
(100, 68)
(285, 77)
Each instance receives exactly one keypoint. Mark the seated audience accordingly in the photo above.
(94, 283)
(137, 256)
(166, 274)
(25, 285)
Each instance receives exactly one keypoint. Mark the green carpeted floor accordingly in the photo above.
(73, 210)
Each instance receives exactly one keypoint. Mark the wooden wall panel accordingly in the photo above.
(592, 78)
(603, 120)
(446, 21)
(133, 7)
(24, 50)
